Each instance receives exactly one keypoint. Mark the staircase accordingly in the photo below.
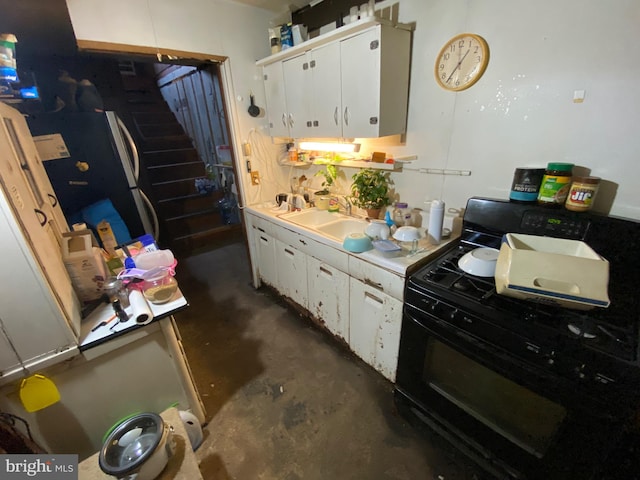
(170, 165)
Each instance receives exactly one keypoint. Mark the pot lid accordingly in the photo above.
(131, 443)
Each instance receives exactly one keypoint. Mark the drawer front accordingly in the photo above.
(262, 225)
(376, 277)
(313, 248)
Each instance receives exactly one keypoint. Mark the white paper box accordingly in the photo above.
(554, 271)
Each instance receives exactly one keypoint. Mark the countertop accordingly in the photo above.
(104, 312)
(182, 465)
(400, 263)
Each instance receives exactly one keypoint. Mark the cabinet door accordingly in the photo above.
(292, 273)
(360, 77)
(374, 327)
(325, 92)
(329, 296)
(275, 98)
(266, 251)
(297, 80)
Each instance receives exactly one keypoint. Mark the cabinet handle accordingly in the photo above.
(291, 120)
(302, 242)
(261, 229)
(335, 116)
(346, 116)
(284, 119)
(40, 213)
(372, 284)
(374, 298)
(287, 251)
(54, 200)
(264, 240)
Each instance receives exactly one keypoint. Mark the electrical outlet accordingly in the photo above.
(255, 177)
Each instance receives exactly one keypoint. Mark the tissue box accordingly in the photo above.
(554, 271)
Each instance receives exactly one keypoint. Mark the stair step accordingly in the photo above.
(166, 143)
(178, 171)
(185, 246)
(160, 130)
(193, 224)
(189, 205)
(149, 107)
(174, 189)
(155, 158)
(145, 118)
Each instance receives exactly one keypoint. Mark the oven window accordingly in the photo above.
(518, 414)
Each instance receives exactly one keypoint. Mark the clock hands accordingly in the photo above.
(458, 65)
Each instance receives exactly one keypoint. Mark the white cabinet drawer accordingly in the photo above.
(376, 277)
(322, 252)
(262, 225)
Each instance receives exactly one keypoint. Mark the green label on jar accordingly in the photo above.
(554, 188)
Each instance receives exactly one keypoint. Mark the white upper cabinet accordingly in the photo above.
(351, 85)
(277, 114)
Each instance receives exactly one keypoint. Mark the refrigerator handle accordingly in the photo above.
(132, 147)
(136, 173)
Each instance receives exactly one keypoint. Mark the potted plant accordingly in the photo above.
(330, 173)
(370, 190)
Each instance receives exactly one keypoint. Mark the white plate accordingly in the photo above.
(480, 262)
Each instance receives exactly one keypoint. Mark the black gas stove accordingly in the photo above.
(468, 354)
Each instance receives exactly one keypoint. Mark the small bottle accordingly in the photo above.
(555, 184)
(582, 193)
(293, 154)
(436, 218)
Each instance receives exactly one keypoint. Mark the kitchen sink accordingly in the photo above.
(312, 217)
(339, 229)
(330, 224)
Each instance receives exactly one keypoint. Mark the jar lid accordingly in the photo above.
(401, 205)
(563, 167)
(590, 180)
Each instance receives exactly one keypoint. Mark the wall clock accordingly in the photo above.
(461, 62)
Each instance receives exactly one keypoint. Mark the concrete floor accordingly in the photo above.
(284, 399)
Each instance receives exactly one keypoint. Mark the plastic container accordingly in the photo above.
(555, 185)
(526, 184)
(582, 193)
(436, 219)
(160, 288)
(153, 259)
(401, 214)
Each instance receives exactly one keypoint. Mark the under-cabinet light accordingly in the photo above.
(329, 147)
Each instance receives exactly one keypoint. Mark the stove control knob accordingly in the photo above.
(453, 314)
(580, 372)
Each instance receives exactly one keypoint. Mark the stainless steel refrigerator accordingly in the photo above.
(100, 162)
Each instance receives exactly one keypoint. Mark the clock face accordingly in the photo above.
(462, 61)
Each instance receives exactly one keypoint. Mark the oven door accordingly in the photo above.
(515, 420)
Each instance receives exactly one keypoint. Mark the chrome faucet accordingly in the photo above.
(347, 205)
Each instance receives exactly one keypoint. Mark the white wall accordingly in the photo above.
(520, 113)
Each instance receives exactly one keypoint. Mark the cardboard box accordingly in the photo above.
(83, 259)
(555, 271)
(107, 237)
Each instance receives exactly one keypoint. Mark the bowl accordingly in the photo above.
(407, 234)
(357, 243)
(480, 262)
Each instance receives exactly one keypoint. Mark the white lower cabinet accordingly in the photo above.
(266, 249)
(329, 296)
(292, 273)
(374, 327)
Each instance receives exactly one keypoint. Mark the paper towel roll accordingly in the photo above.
(142, 313)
